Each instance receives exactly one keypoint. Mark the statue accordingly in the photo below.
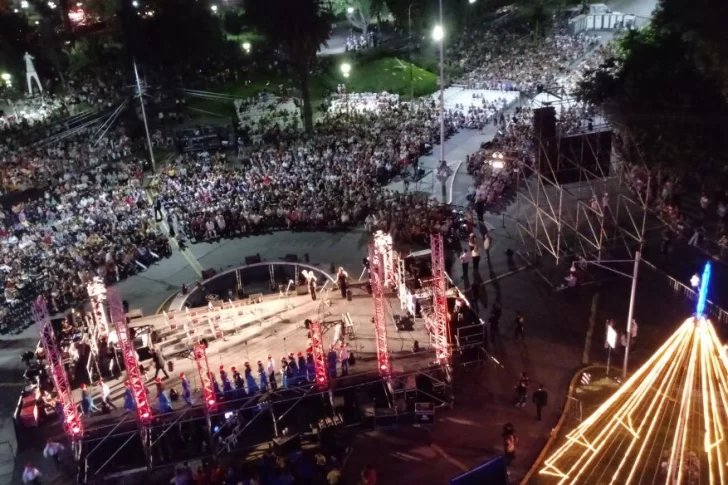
(30, 74)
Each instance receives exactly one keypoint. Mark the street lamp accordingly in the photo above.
(438, 34)
(633, 294)
(214, 8)
(350, 10)
(247, 47)
(135, 4)
(346, 70)
(472, 1)
(7, 78)
(24, 4)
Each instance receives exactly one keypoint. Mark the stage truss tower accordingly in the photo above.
(319, 356)
(383, 245)
(133, 373)
(71, 417)
(585, 218)
(380, 320)
(440, 329)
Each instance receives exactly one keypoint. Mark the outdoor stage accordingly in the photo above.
(276, 330)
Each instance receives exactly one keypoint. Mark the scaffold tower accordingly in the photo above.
(319, 355)
(380, 320)
(71, 417)
(439, 293)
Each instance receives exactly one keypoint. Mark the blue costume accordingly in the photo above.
(284, 374)
(250, 381)
(129, 403)
(215, 386)
(186, 393)
(263, 378)
(302, 366)
(227, 386)
(239, 384)
(87, 402)
(332, 363)
(60, 413)
(292, 371)
(163, 403)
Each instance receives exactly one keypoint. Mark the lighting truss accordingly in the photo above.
(383, 245)
(133, 373)
(97, 294)
(319, 357)
(380, 321)
(667, 424)
(439, 287)
(71, 418)
(208, 392)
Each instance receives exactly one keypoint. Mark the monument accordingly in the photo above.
(31, 74)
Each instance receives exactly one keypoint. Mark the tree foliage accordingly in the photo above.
(297, 28)
(360, 13)
(665, 95)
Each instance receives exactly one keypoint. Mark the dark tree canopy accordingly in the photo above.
(663, 97)
(297, 28)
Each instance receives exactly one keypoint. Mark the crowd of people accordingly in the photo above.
(485, 59)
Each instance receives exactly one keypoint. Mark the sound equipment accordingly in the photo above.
(286, 445)
(291, 258)
(252, 259)
(208, 273)
(544, 122)
(424, 414)
(301, 290)
(404, 323)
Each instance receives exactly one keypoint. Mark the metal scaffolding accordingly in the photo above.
(586, 217)
(383, 245)
(380, 319)
(440, 327)
(134, 377)
(319, 356)
(71, 417)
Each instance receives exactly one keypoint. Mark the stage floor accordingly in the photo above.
(284, 332)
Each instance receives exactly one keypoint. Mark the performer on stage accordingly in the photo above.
(215, 385)
(332, 362)
(186, 393)
(250, 380)
(310, 282)
(310, 368)
(341, 279)
(87, 402)
(227, 387)
(301, 366)
(271, 368)
(263, 377)
(163, 404)
(344, 358)
(239, 382)
(284, 372)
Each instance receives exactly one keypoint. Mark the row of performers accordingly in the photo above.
(294, 372)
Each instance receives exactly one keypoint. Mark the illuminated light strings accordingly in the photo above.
(667, 424)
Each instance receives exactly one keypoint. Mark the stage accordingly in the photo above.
(275, 326)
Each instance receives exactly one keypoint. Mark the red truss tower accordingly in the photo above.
(380, 321)
(441, 328)
(208, 391)
(319, 356)
(71, 417)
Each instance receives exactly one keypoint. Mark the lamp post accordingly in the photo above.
(346, 70)
(438, 34)
(247, 47)
(144, 117)
(632, 296)
(409, 45)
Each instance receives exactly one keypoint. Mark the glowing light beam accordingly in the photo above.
(703, 292)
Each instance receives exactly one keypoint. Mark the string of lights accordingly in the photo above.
(666, 424)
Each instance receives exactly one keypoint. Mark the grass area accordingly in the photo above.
(389, 74)
(590, 396)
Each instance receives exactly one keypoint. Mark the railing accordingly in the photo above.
(716, 313)
(7, 461)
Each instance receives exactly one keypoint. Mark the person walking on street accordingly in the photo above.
(520, 327)
(509, 442)
(486, 245)
(31, 475)
(465, 260)
(522, 390)
(475, 254)
(158, 359)
(495, 315)
(53, 451)
(540, 399)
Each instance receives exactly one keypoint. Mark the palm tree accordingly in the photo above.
(297, 28)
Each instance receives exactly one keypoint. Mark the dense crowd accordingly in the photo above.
(503, 61)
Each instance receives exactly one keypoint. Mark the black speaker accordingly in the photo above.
(348, 295)
(544, 122)
(252, 259)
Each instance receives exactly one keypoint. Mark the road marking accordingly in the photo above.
(449, 458)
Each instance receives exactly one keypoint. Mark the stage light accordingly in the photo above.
(246, 46)
(695, 280)
(214, 8)
(703, 293)
(76, 429)
(211, 402)
(498, 165)
(134, 4)
(438, 33)
(350, 10)
(145, 415)
(383, 367)
(5, 76)
(24, 4)
(346, 69)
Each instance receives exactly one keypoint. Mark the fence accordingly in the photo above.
(7, 462)
(716, 313)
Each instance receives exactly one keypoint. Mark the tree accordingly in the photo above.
(297, 28)
(360, 13)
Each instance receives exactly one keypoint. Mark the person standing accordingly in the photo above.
(520, 327)
(344, 358)
(87, 402)
(53, 451)
(475, 254)
(540, 399)
(31, 475)
(186, 392)
(465, 261)
(271, 369)
(633, 332)
(158, 359)
(486, 245)
(341, 280)
(509, 446)
(311, 283)
(522, 390)
(106, 394)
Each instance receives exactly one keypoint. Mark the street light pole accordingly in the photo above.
(409, 42)
(630, 313)
(144, 117)
(442, 90)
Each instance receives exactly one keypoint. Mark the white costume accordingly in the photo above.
(30, 74)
